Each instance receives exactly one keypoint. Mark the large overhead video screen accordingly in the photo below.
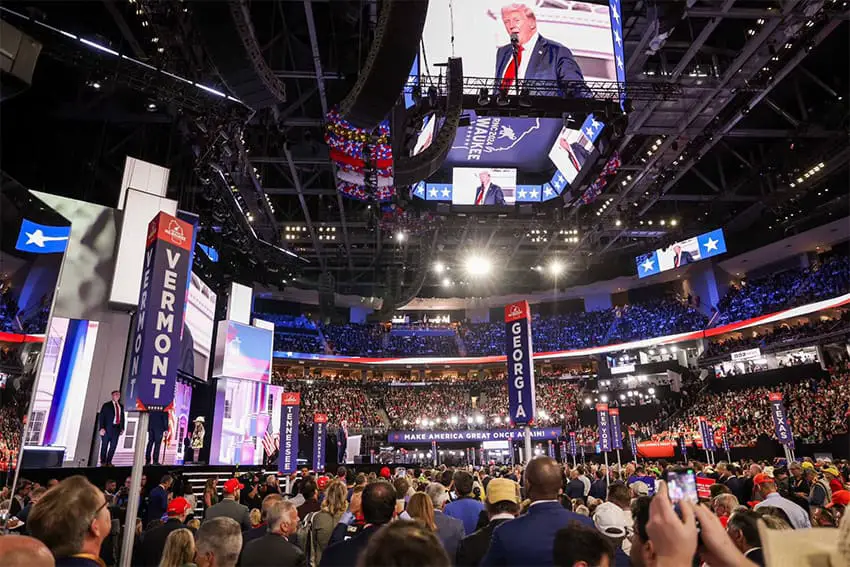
(243, 352)
(558, 40)
(483, 186)
(681, 253)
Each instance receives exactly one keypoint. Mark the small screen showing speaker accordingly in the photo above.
(482, 186)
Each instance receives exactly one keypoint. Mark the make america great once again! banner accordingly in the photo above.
(425, 437)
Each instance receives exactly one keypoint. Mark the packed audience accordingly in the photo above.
(785, 289)
(355, 339)
(543, 513)
(298, 343)
(421, 345)
(341, 402)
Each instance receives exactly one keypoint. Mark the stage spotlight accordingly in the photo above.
(478, 266)
(400, 236)
(556, 268)
(439, 267)
(483, 97)
(447, 282)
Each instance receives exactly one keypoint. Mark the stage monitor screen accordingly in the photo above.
(243, 352)
(681, 253)
(198, 324)
(483, 186)
(572, 148)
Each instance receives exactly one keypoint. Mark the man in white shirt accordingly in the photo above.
(766, 486)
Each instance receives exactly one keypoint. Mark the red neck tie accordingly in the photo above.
(511, 71)
(117, 414)
(480, 196)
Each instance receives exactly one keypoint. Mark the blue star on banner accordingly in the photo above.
(617, 40)
(647, 265)
(419, 190)
(438, 192)
(711, 243)
(592, 127)
(528, 193)
(548, 192)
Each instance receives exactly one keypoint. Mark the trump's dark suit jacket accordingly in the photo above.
(530, 538)
(550, 61)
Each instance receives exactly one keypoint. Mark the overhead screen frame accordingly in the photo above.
(692, 250)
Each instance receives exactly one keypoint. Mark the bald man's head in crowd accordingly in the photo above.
(543, 479)
(24, 551)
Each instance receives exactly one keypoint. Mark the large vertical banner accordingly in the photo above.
(684, 446)
(616, 434)
(724, 438)
(573, 448)
(320, 435)
(780, 419)
(705, 434)
(633, 442)
(290, 404)
(520, 366)
(604, 426)
(155, 346)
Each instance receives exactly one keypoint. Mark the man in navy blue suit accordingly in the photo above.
(532, 56)
(530, 539)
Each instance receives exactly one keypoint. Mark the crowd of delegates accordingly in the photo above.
(340, 401)
(787, 332)
(816, 410)
(421, 345)
(542, 514)
(785, 289)
(355, 339)
(282, 321)
(655, 318)
(288, 342)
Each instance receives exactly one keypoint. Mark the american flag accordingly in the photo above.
(271, 441)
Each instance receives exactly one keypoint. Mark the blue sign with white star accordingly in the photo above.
(438, 192)
(528, 193)
(592, 127)
(558, 181)
(681, 253)
(617, 36)
(41, 238)
(419, 190)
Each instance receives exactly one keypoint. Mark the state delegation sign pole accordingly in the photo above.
(155, 344)
(521, 400)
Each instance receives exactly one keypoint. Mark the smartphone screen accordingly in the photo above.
(682, 486)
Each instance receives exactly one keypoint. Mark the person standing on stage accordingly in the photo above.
(111, 425)
(157, 427)
(198, 438)
(341, 441)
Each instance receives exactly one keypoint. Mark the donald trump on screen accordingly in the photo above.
(531, 56)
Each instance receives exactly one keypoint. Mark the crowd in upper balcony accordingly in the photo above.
(786, 289)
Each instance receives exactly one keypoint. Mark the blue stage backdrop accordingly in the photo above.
(155, 349)
(520, 365)
(425, 437)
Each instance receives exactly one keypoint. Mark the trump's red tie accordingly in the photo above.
(510, 72)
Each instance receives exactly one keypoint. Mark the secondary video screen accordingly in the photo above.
(243, 352)
(557, 40)
(681, 253)
(570, 151)
(481, 186)
(198, 325)
(426, 135)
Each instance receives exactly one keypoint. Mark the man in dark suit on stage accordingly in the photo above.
(341, 441)
(488, 193)
(681, 257)
(530, 539)
(157, 426)
(531, 56)
(111, 425)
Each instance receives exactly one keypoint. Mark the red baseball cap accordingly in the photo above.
(322, 482)
(232, 485)
(178, 506)
(761, 478)
(385, 472)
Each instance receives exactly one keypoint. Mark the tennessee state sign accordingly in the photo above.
(289, 412)
(155, 346)
(520, 366)
(616, 434)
